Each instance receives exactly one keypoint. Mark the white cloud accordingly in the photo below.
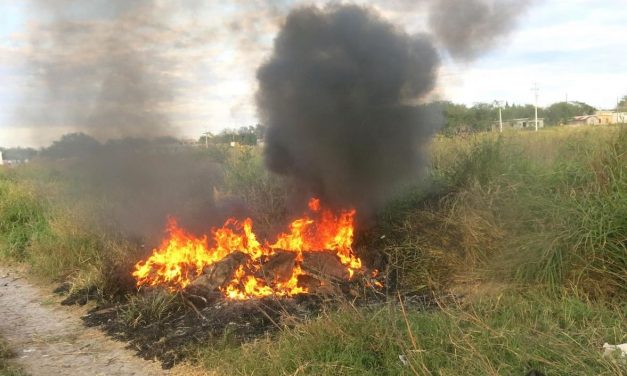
(575, 47)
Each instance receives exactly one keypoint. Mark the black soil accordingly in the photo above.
(168, 338)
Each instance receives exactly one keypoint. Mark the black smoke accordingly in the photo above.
(107, 81)
(100, 68)
(339, 97)
(468, 28)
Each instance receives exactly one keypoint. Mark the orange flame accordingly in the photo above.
(182, 257)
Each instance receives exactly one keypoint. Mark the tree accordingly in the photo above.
(71, 145)
(561, 112)
(18, 153)
(622, 105)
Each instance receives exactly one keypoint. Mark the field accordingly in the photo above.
(521, 237)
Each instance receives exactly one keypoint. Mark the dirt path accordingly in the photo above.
(51, 340)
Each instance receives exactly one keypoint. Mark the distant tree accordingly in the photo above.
(561, 112)
(517, 111)
(18, 153)
(483, 116)
(260, 131)
(71, 145)
(244, 135)
(622, 105)
(456, 117)
(208, 136)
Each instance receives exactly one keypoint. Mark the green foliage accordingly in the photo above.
(479, 117)
(562, 112)
(150, 308)
(483, 116)
(22, 216)
(547, 208)
(58, 238)
(71, 145)
(574, 222)
(243, 136)
(6, 368)
(505, 335)
(18, 153)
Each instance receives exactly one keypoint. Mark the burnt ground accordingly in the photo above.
(168, 337)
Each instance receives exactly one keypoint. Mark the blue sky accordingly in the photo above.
(573, 48)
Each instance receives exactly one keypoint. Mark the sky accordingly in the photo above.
(199, 60)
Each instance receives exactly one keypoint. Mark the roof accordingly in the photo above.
(584, 117)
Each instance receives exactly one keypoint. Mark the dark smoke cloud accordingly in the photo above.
(107, 78)
(337, 97)
(101, 67)
(139, 183)
(468, 28)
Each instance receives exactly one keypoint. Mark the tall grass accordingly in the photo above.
(526, 208)
(542, 214)
(56, 236)
(23, 217)
(505, 335)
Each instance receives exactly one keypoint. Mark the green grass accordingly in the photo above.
(509, 334)
(6, 367)
(153, 307)
(555, 218)
(55, 235)
(23, 217)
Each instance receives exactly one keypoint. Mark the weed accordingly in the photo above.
(6, 367)
(150, 307)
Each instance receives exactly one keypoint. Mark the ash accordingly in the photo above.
(166, 338)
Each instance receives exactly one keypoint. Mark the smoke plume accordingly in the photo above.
(468, 28)
(336, 95)
(341, 89)
(100, 68)
(106, 80)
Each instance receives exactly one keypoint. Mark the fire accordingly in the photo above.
(182, 257)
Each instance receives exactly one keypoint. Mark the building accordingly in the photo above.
(611, 117)
(584, 120)
(522, 123)
(189, 142)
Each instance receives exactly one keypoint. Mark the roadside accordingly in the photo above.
(49, 339)
(7, 368)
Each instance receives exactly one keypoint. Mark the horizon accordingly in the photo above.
(213, 75)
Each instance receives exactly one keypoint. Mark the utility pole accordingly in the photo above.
(500, 106)
(500, 120)
(535, 90)
(206, 139)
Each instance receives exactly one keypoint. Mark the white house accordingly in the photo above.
(523, 123)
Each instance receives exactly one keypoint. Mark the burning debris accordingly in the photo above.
(316, 249)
